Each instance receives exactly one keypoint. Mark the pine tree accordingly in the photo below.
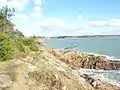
(6, 14)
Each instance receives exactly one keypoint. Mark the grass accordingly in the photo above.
(5, 64)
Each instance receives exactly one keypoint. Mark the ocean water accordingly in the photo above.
(109, 47)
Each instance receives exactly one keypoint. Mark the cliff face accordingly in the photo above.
(44, 70)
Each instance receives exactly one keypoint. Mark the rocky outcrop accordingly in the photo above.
(83, 60)
(44, 70)
(115, 65)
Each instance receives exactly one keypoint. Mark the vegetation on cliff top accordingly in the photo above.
(12, 41)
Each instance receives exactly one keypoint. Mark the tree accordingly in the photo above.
(5, 15)
(17, 33)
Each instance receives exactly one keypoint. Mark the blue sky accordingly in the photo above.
(66, 17)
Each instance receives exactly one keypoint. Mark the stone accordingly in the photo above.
(5, 81)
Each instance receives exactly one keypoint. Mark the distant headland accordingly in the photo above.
(82, 36)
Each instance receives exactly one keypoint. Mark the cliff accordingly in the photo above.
(48, 69)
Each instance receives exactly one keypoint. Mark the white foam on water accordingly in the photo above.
(104, 75)
(110, 76)
(107, 56)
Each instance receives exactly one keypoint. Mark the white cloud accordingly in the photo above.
(39, 2)
(37, 9)
(56, 26)
(80, 17)
(3, 3)
(98, 23)
(35, 14)
(114, 22)
(61, 27)
(18, 4)
(21, 16)
(53, 22)
(110, 23)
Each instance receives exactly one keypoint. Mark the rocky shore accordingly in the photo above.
(83, 60)
(52, 69)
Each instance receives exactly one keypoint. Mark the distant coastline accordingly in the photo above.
(88, 36)
(83, 36)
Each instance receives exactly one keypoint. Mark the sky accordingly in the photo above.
(66, 17)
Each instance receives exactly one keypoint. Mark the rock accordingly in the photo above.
(5, 81)
(64, 88)
(56, 76)
(82, 60)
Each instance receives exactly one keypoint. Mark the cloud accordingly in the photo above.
(18, 4)
(98, 23)
(58, 26)
(37, 9)
(80, 17)
(39, 2)
(3, 3)
(53, 24)
(114, 22)
(107, 23)
(35, 14)
(21, 16)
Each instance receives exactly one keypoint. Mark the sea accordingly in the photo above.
(108, 47)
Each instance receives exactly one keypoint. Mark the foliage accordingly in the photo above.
(18, 45)
(9, 45)
(7, 12)
(31, 43)
(5, 15)
(15, 34)
(5, 47)
(11, 40)
(23, 44)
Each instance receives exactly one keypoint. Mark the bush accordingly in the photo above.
(18, 44)
(8, 46)
(5, 47)
(23, 44)
(31, 43)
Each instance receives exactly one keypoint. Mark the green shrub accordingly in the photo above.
(5, 47)
(18, 44)
(34, 47)
(31, 43)
(10, 45)
(28, 41)
(25, 44)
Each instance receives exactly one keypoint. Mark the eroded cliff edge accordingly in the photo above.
(50, 69)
